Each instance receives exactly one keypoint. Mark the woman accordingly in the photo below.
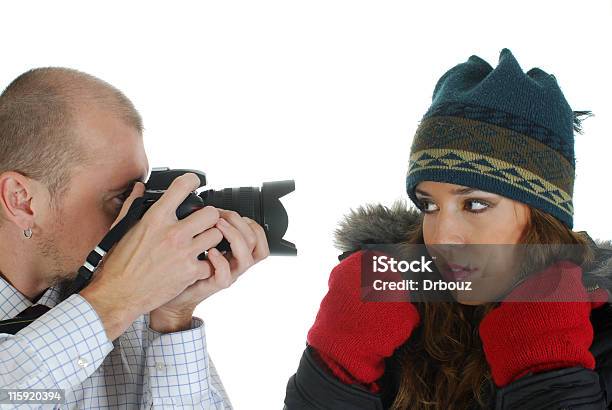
(492, 162)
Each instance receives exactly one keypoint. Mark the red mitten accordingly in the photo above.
(543, 324)
(354, 337)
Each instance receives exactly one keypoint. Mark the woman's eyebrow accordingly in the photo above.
(421, 192)
(463, 191)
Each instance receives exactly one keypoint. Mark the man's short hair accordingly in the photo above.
(37, 117)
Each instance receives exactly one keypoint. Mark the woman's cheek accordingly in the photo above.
(492, 227)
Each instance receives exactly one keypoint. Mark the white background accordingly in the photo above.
(326, 92)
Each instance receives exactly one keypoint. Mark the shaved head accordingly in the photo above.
(39, 111)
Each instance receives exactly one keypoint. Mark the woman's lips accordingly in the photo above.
(458, 273)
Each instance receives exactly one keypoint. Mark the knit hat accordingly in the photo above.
(502, 131)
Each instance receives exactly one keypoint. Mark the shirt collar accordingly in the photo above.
(13, 302)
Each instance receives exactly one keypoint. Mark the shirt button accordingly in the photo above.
(82, 362)
(160, 366)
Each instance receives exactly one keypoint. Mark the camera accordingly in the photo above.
(259, 204)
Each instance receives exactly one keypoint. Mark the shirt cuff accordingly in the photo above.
(177, 364)
(70, 340)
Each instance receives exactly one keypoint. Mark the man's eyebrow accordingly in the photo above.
(456, 191)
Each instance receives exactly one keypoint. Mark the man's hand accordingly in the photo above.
(248, 245)
(156, 259)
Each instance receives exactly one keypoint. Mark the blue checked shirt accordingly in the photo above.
(67, 348)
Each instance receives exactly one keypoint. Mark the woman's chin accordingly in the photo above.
(467, 298)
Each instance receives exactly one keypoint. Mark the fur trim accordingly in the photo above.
(375, 223)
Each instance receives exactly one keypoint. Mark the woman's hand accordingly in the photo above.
(542, 325)
(354, 337)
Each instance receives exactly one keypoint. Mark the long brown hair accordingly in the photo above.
(442, 366)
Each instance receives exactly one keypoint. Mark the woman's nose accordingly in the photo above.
(448, 230)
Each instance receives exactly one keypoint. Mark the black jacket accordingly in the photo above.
(313, 387)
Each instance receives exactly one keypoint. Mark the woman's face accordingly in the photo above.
(456, 216)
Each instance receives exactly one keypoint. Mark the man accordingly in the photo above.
(71, 156)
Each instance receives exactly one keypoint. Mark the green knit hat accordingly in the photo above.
(502, 131)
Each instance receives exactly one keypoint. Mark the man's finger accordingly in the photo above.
(200, 220)
(219, 278)
(176, 193)
(205, 270)
(237, 222)
(223, 275)
(261, 250)
(137, 192)
(240, 251)
(206, 240)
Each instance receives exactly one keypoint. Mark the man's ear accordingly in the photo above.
(16, 192)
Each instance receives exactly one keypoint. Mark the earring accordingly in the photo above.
(27, 233)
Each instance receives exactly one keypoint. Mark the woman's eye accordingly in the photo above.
(424, 206)
(480, 205)
(473, 205)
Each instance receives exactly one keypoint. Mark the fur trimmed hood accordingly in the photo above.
(378, 224)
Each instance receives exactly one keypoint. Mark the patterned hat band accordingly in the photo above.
(495, 159)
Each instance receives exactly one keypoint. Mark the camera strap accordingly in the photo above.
(23, 319)
(95, 257)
